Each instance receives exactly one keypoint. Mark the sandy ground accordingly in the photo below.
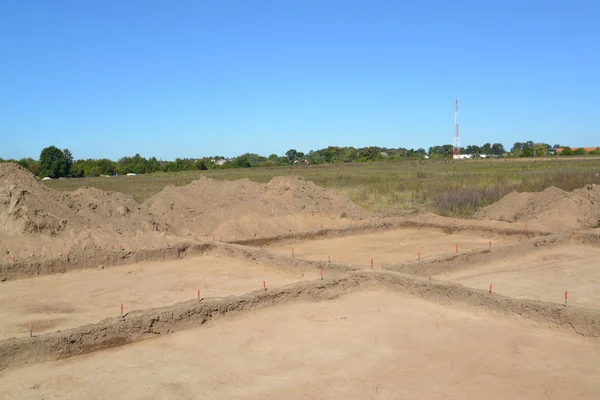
(368, 345)
(543, 274)
(390, 247)
(57, 302)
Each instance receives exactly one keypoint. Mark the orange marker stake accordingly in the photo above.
(254, 234)
(566, 297)
(265, 285)
(321, 273)
(419, 256)
(371, 263)
(490, 288)
(221, 239)
(198, 294)
(456, 249)
(520, 237)
(329, 259)
(121, 246)
(214, 238)
(490, 244)
(292, 252)
(429, 273)
(121, 310)
(30, 329)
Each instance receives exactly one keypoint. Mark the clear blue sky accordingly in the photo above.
(197, 78)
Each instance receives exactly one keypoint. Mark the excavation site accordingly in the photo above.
(288, 290)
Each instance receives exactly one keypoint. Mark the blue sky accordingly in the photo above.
(197, 78)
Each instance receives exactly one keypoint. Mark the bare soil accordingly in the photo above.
(367, 345)
(429, 339)
(553, 209)
(391, 247)
(239, 209)
(58, 302)
(543, 274)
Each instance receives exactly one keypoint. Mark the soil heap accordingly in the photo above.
(553, 209)
(35, 219)
(238, 209)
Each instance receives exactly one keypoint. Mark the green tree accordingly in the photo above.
(55, 163)
(566, 151)
(498, 149)
(579, 152)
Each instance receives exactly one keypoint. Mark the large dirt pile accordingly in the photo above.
(553, 209)
(28, 206)
(237, 209)
(37, 220)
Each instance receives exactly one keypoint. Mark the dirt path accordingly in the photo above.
(390, 247)
(543, 275)
(58, 302)
(366, 345)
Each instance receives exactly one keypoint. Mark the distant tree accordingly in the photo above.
(579, 151)
(486, 149)
(370, 154)
(498, 149)
(292, 155)
(566, 151)
(274, 158)
(242, 161)
(55, 163)
(540, 149)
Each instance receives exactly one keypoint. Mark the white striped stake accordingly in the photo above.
(566, 297)
(121, 310)
(490, 288)
(30, 329)
(265, 285)
(419, 256)
(321, 273)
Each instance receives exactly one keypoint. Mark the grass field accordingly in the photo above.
(453, 188)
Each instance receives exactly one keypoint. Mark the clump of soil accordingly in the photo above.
(553, 209)
(236, 209)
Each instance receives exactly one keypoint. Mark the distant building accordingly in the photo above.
(462, 156)
(587, 149)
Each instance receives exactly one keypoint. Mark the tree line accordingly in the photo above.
(55, 163)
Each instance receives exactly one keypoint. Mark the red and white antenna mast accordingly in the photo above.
(456, 144)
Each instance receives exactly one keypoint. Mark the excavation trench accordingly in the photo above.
(144, 324)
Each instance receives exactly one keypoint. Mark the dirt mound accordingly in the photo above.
(239, 208)
(29, 206)
(553, 209)
(36, 220)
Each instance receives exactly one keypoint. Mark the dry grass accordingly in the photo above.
(454, 188)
